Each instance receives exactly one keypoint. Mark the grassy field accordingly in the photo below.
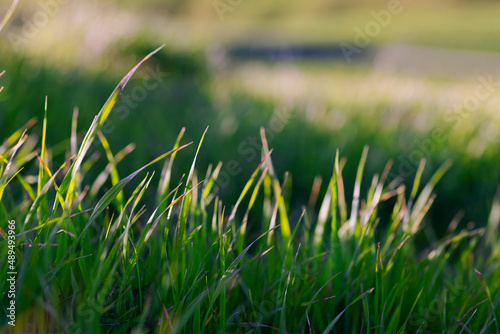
(188, 263)
(345, 200)
(330, 107)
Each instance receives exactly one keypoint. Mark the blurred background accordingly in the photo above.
(411, 79)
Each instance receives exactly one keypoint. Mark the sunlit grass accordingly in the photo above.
(109, 260)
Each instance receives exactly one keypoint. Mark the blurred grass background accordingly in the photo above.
(76, 56)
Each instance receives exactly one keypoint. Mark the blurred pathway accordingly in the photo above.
(392, 58)
(416, 60)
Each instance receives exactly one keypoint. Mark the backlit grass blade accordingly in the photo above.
(12, 139)
(284, 223)
(492, 234)
(357, 187)
(323, 215)
(141, 188)
(186, 201)
(191, 171)
(241, 240)
(115, 178)
(103, 176)
(69, 181)
(151, 226)
(111, 194)
(167, 169)
(209, 184)
(416, 184)
(49, 174)
(1, 73)
(37, 201)
(340, 190)
(4, 177)
(41, 179)
(9, 13)
(26, 186)
(425, 198)
(247, 187)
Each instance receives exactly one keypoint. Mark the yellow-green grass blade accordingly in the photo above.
(418, 177)
(357, 187)
(111, 193)
(15, 136)
(272, 223)
(323, 216)
(375, 195)
(140, 192)
(49, 174)
(103, 176)
(338, 202)
(8, 15)
(74, 136)
(186, 201)
(4, 177)
(416, 184)
(335, 197)
(115, 178)
(38, 199)
(209, 184)
(247, 187)
(425, 198)
(191, 171)
(26, 186)
(167, 169)
(492, 227)
(341, 192)
(41, 179)
(253, 197)
(69, 181)
(41, 197)
(147, 233)
(284, 223)
(1, 73)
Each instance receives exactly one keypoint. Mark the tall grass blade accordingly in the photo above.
(8, 15)
(69, 182)
(112, 193)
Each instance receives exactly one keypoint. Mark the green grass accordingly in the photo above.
(109, 260)
(359, 108)
(160, 251)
